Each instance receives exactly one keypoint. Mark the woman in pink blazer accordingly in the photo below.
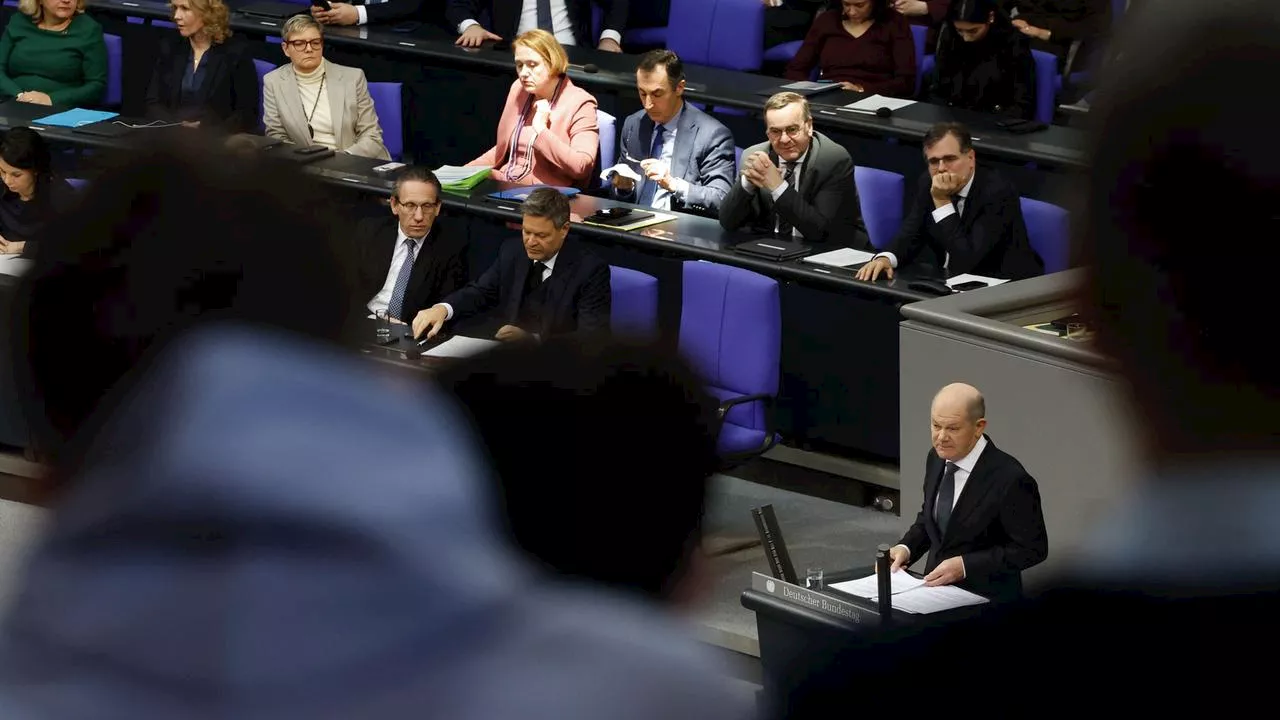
(548, 133)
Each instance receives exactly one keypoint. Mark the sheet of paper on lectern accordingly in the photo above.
(460, 346)
(869, 586)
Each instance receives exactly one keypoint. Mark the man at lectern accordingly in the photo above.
(981, 524)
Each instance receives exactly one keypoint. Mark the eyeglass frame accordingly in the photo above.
(413, 208)
(305, 44)
(791, 132)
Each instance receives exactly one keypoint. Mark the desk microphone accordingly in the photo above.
(588, 68)
(884, 583)
(883, 112)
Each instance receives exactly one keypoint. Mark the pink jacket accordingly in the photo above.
(566, 154)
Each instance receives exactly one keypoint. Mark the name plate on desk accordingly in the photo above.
(806, 598)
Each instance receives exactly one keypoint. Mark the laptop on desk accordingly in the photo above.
(273, 10)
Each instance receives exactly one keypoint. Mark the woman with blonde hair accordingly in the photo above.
(51, 52)
(548, 133)
(201, 78)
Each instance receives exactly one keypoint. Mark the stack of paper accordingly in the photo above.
(875, 102)
(460, 346)
(14, 264)
(910, 593)
(841, 258)
(461, 179)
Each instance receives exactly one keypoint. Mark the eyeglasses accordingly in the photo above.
(790, 131)
(413, 208)
(316, 44)
(948, 159)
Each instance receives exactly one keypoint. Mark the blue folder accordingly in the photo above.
(74, 118)
(521, 193)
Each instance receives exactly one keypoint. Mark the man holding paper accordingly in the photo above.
(674, 156)
(981, 523)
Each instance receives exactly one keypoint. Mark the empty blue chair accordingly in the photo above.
(634, 312)
(608, 125)
(920, 35)
(1046, 85)
(690, 35)
(1049, 231)
(731, 334)
(783, 52)
(737, 33)
(115, 69)
(880, 194)
(387, 102)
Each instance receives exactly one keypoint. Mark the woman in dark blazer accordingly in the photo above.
(863, 45)
(984, 64)
(31, 195)
(200, 78)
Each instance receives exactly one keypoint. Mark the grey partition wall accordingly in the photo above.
(1051, 402)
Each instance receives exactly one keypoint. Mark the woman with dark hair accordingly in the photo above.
(984, 64)
(202, 78)
(32, 195)
(865, 46)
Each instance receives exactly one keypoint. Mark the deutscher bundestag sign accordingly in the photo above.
(812, 600)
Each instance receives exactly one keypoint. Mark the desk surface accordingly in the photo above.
(1056, 146)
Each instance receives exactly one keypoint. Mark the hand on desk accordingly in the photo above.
(341, 14)
(873, 269)
(948, 572)
(475, 36)
(851, 86)
(609, 45)
(911, 7)
(511, 333)
(430, 320)
(35, 97)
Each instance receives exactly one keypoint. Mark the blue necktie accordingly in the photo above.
(396, 306)
(544, 16)
(655, 151)
(946, 496)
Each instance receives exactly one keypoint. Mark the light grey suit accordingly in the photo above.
(355, 121)
(703, 156)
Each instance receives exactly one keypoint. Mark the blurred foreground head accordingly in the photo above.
(602, 450)
(168, 239)
(1182, 224)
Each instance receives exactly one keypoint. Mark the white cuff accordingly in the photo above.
(746, 184)
(893, 259)
(777, 192)
(448, 311)
(613, 35)
(679, 187)
(904, 547)
(362, 16)
(944, 212)
(462, 26)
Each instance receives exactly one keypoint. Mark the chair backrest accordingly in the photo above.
(731, 333)
(690, 35)
(880, 194)
(262, 67)
(1049, 231)
(387, 103)
(920, 36)
(1046, 85)
(608, 125)
(737, 159)
(78, 183)
(634, 311)
(115, 69)
(737, 35)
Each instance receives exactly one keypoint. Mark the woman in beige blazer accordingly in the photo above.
(312, 101)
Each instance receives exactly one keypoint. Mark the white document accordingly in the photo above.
(459, 346)
(809, 85)
(14, 264)
(961, 279)
(624, 170)
(842, 257)
(924, 600)
(447, 174)
(869, 586)
(875, 102)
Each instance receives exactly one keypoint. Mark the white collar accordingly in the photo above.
(964, 195)
(968, 462)
(401, 237)
(797, 162)
(550, 262)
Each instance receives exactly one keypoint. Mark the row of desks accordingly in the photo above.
(840, 347)
(454, 97)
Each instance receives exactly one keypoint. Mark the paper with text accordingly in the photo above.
(924, 600)
(460, 346)
(869, 586)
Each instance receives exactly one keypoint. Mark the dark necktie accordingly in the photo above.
(396, 306)
(781, 226)
(544, 16)
(655, 151)
(534, 280)
(946, 496)
(955, 202)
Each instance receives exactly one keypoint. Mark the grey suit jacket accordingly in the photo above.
(703, 156)
(355, 120)
(826, 210)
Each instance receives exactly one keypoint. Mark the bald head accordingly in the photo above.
(958, 418)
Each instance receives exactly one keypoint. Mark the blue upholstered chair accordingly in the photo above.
(115, 69)
(689, 33)
(1046, 85)
(634, 311)
(387, 102)
(731, 333)
(880, 194)
(1049, 231)
(608, 125)
(737, 35)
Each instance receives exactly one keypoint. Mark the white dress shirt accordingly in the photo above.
(940, 214)
(546, 274)
(559, 20)
(398, 257)
(964, 467)
(798, 163)
(362, 17)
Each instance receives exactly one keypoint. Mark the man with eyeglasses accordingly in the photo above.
(408, 262)
(299, 99)
(962, 221)
(798, 185)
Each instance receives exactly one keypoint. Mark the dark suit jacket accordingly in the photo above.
(229, 96)
(995, 75)
(996, 525)
(504, 16)
(703, 156)
(578, 299)
(440, 269)
(988, 238)
(826, 209)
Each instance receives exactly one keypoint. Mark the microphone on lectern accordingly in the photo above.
(884, 583)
